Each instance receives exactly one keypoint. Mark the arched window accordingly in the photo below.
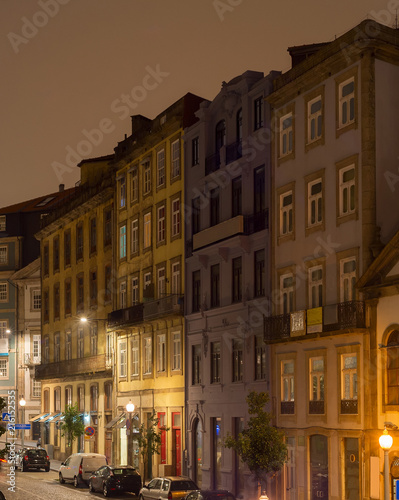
(220, 135)
(393, 368)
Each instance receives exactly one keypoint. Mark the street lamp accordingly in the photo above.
(129, 431)
(22, 404)
(386, 443)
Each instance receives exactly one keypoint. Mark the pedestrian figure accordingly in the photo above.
(39, 442)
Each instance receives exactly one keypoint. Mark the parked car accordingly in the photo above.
(210, 495)
(79, 467)
(34, 458)
(169, 487)
(19, 455)
(114, 479)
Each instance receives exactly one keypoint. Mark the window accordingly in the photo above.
(57, 399)
(56, 347)
(94, 397)
(161, 224)
(315, 276)
(197, 372)
(93, 339)
(3, 368)
(56, 301)
(239, 125)
(347, 199)
(147, 282)
(161, 280)
(68, 345)
(287, 387)
(195, 215)
(214, 207)
(393, 368)
(3, 292)
(146, 177)
(260, 358)
(347, 279)
(108, 350)
(122, 358)
(196, 302)
(315, 119)
(349, 383)
(93, 235)
(67, 248)
(3, 329)
(286, 213)
(135, 236)
(238, 360)
(346, 93)
(215, 285)
(237, 279)
(134, 184)
(46, 304)
(122, 192)
(81, 343)
(147, 230)
(286, 135)
(135, 291)
(135, 357)
(80, 293)
(36, 348)
(107, 227)
(46, 349)
(81, 398)
(176, 278)
(56, 254)
(215, 362)
(175, 217)
(147, 356)
(107, 283)
(195, 151)
(316, 385)
(36, 388)
(108, 396)
(220, 135)
(122, 242)
(2, 222)
(259, 273)
(175, 151)
(68, 297)
(79, 241)
(161, 353)
(236, 197)
(45, 260)
(4, 254)
(258, 113)
(36, 300)
(315, 203)
(176, 360)
(161, 167)
(93, 288)
(287, 293)
(122, 295)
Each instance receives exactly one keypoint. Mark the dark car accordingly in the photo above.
(168, 488)
(35, 458)
(114, 479)
(210, 495)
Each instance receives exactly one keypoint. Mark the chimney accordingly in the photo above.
(61, 188)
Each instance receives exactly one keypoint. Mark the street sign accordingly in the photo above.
(89, 431)
(5, 417)
(25, 427)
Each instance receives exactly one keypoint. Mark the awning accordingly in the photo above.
(57, 418)
(39, 417)
(112, 422)
(49, 418)
(121, 424)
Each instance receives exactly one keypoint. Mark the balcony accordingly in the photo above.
(222, 231)
(233, 152)
(316, 407)
(256, 222)
(78, 366)
(172, 304)
(212, 163)
(30, 359)
(327, 319)
(126, 316)
(348, 406)
(287, 407)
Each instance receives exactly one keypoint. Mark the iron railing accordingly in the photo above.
(233, 152)
(349, 406)
(212, 163)
(126, 316)
(287, 407)
(77, 366)
(316, 407)
(172, 304)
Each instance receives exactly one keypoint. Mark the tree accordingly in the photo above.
(72, 426)
(149, 441)
(260, 445)
(3, 428)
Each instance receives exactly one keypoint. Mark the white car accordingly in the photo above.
(79, 467)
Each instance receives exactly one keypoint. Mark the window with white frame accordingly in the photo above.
(36, 348)
(135, 357)
(57, 347)
(147, 230)
(36, 388)
(316, 382)
(287, 380)
(161, 351)
(286, 213)
(175, 151)
(286, 135)
(36, 299)
(315, 202)
(68, 345)
(176, 278)
(122, 358)
(315, 275)
(4, 254)
(349, 376)
(347, 279)
(147, 280)
(176, 363)
(135, 291)
(176, 217)
(2, 222)
(134, 184)
(147, 356)
(347, 200)
(108, 349)
(122, 192)
(135, 236)
(161, 224)
(122, 242)
(3, 329)
(122, 295)
(3, 291)
(238, 360)
(81, 346)
(146, 177)
(287, 293)
(346, 92)
(315, 119)
(260, 358)
(3, 367)
(93, 339)
(161, 167)
(161, 280)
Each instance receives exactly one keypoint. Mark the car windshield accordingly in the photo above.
(124, 472)
(183, 486)
(37, 453)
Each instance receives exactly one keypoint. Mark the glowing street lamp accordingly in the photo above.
(130, 409)
(22, 404)
(386, 443)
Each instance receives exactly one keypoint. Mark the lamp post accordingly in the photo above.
(129, 430)
(22, 404)
(386, 443)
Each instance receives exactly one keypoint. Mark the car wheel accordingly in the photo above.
(24, 468)
(106, 491)
(91, 488)
(76, 482)
(61, 479)
(47, 469)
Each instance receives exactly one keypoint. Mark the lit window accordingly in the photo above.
(122, 192)
(122, 241)
(161, 167)
(346, 102)
(135, 236)
(287, 387)
(286, 135)
(135, 357)
(316, 385)
(147, 230)
(176, 351)
(161, 353)
(147, 356)
(347, 201)
(122, 358)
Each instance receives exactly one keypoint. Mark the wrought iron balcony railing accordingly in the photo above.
(233, 152)
(212, 163)
(316, 407)
(287, 407)
(349, 406)
(76, 366)
(126, 316)
(172, 304)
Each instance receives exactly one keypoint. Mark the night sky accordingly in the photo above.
(73, 71)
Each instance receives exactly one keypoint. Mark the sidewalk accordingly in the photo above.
(54, 464)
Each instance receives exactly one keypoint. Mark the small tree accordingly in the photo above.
(72, 426)
(149, 441)
(3, 428)
(260, 445)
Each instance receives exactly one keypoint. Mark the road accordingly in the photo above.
(40, 485)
